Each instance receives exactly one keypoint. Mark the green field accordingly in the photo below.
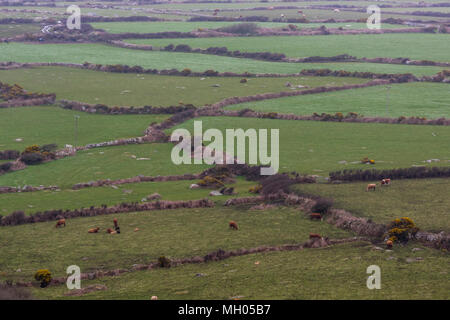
(102, 163)
(337, 272)
(320, 147)
(363, 45)
(52, 124)
(174, 233)
(146, 89)
(134, 192)
(430, 100)
(102, 54)
(423, 200)
(13, 30)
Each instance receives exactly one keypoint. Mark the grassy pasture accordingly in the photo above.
(84, 198)
(173, 233)
(338, 272)
(51, 124)
(102, 163)
(102, 54)
(362, 45)
(321, 147)
(430, 100)
(126, 89)
(16, 29)
(425, 201)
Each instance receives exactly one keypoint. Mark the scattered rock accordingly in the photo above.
(215, 193)
(154, 196)
(154, 298)
(194, 186)
(416, 249)
(200, 275)
(19, 270)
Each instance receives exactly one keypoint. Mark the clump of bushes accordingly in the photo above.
(210, 181)
(240, 28)
(255, 189)
(164, 262)
(35, 154)
(14, 92)
(9, 155)
(276, 183)
(44, 276)
(402, 230)
(322, 205)
(366, 160)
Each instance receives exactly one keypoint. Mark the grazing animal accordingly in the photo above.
(116, 226)
(233, 225)
(385, 182)
(60, 223)
(315, 216)
(389, 244)
(371, 186)
(314, 235)
(109, 230)
(93, 230)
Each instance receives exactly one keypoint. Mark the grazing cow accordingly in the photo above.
(385, 182)
(315, 216)
(109, 230)
(233, 225)
(60, 223)
(93, 230)
(116, 226)
(314, 235)
(371, 186)
(389, 244)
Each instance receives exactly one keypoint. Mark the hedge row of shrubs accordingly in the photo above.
(9, 154)
(223, 51)
(398, 78)
(19, 217)
(16, 92)
(401, 173)
(104, 109)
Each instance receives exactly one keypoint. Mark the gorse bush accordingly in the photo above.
(276, 183)
(44, 276)
(402, 229)
(240, 28)
(322, 205)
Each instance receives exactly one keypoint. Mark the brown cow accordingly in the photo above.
(233, 225)
(116, 226)
(94, 230)
(314, 235)
(385, 182)
(315, 216)
(389, 244)
(60, 223)
(371, 186)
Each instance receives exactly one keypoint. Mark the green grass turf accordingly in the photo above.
(16, 29)
(319, 147)
(338, 272)
(146, 89)
(84, 198)
(184, 26)
(363, 45)
(425, 201)
(430, 100)
(101, 163)
(173, 233)
(51, 124)
(103, 54)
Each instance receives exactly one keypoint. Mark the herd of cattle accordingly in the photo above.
(372, 186)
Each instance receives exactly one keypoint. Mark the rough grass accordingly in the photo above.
(101, 163)
(430, 100)
(425, 201)
(51, 124)
(338, 272)
(172, 233)
(363, 45)
(320, 147)
(84, 198)
(103, 54)
(16, 29)
(147, 89)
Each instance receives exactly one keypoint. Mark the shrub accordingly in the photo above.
(32, 158)
(276, 183)
(186, 72)
(43, 276)
(402, 229)
(15, 218)
(9, 155)
(255, 189)
(164, 262)
(322, 205)
(240, 28)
